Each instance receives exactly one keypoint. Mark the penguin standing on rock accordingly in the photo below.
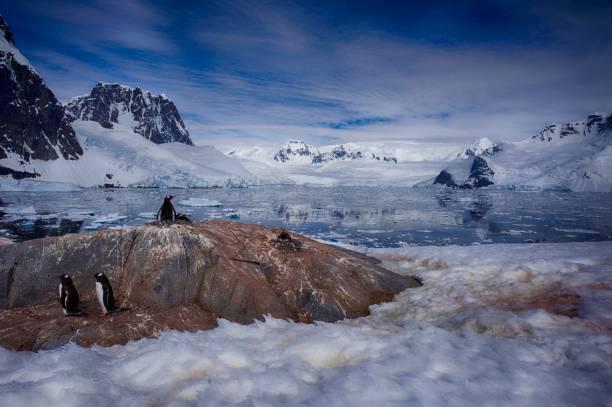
(68, 296)
(104, 292)
(167, 213)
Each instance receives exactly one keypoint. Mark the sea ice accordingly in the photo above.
(109, 218)
(200, 202)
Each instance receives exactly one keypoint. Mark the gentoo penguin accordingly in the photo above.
(167, 212)
(68, 296)
(104, 292)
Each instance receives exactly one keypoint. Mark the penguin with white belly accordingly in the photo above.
(104, 292)
(68, 296)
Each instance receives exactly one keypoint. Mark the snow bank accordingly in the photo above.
(12, 185)
(200, 202)
(412, 351)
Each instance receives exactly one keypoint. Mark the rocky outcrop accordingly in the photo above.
(596, 125)
(481, 175)
(33, 124)
(155, 118)
(214, 269)
(296, 149)
(446, 179)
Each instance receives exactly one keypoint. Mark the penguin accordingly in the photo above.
(68, 296)
(167, 212)
(104, 292)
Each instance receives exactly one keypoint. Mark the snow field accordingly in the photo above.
(416, 350)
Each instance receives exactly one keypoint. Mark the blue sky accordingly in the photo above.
(332, 71)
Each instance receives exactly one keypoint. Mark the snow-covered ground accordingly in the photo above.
(454, 341)
(416, 161)
(574, 156)
(131, 160)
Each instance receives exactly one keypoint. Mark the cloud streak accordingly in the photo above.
(243, 70)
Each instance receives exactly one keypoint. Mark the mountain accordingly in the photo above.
(295, 151)
(153, 117)
(481, 147)
(115, 137)
(33, 123)
(575, 156)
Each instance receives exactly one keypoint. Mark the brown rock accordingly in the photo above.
(181, 276)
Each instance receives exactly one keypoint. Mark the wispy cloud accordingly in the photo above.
(247, 70)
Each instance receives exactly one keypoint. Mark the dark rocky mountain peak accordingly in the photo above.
(156, 118)
(33, 123)
(5, 31)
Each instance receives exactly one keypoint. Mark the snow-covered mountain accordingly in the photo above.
(574, 156)
(298, 152)
(153, 117)
(116, 136)
(483, 146)
(33, 124)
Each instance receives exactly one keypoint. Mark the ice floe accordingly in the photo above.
(200, 202)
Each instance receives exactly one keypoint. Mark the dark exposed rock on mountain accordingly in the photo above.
(182, 277)
(295, 148)
(445, 178)
(154, 117)
(596, 124)
(481, 175)
(32, 121)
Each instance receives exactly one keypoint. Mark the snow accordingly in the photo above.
(578, 157)
(109, 218)
(5, 46)
(200, 202)
(135, 161)
(450, 342)
(29, 210)
(147, 215)
(33, 185)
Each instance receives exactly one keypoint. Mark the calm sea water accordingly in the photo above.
(367, 216)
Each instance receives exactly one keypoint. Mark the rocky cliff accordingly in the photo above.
(155, 118)
(33, 124)
(181, 277)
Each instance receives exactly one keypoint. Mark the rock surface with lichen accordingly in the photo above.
(184, 277)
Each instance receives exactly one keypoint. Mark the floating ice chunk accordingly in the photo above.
(147, 215)
(110, 218)
(93, 226)
(232, 215)
(80, 212)
(200, 202)
(583, 231)
(11, 210)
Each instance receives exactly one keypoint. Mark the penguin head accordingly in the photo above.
(168, 198)
(65, 278)
(100, 277)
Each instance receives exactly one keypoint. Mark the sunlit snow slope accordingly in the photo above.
(120, 157)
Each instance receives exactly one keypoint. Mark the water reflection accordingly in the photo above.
(359, 215)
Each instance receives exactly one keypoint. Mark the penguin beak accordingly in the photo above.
(171, 197)
(59, 276)
(95, 275)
